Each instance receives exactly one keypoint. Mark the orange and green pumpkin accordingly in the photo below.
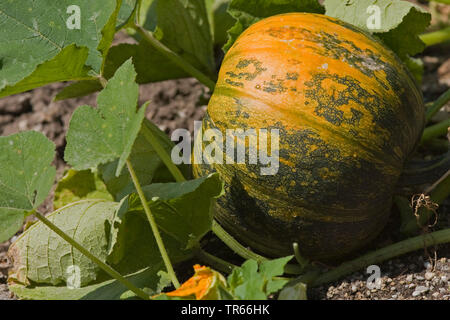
(348, 113)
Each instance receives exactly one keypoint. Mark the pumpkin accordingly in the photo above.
(348, 113)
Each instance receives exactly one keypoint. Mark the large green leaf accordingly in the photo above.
(146, 163)
(247, 12)
(396, 22)
(40, 256)
(26, 177)
(99, 136)
(40, 40)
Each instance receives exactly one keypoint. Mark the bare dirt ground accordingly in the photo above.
(176, 104)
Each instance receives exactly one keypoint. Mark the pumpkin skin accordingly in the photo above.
(348, 114)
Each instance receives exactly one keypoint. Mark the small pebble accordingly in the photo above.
(419, 290)
(429, 275)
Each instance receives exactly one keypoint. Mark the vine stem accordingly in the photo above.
(435, 131)
(175, 58)
(113, 273)
(214, 261)
(437, 105)
(436, 37)
(397, 249)
(154, 226)
(245, 253)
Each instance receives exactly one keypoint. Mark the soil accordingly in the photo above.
(176, 104)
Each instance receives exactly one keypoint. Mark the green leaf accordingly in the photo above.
(79, 89)
(222, 21)
(67, 65)
(247, 12)
(134, 246)
(107, 290)
(293, 292)
(26, 176)
(108, 32)
(181, 25)
(38, 43)
(40, 256)
(400, 22)
(79, 185)
(182, 210)
(147, 15)
(127, 12)
(98, 136)
(184, 28)
(146, 163)
(151, 66)
(253, 281)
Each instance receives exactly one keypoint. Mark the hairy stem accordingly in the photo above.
(175, 58)
(113, 273)
(436, 37)
(378, 256)
(153, 225)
